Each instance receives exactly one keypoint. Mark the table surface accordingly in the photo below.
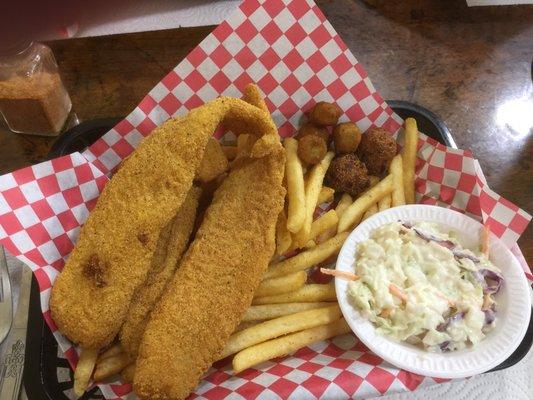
(471, 66)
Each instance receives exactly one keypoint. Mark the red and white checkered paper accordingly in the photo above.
(295, 56)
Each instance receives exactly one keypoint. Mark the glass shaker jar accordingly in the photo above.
(33, 98)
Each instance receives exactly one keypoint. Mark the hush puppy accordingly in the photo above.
(324, 114)
(376, 150)
(312, 149)
(310, 129)
(346, 137)
(347, 174)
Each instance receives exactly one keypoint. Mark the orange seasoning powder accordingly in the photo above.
(36, 104)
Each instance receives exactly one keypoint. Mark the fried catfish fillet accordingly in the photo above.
(113, 254)
(164, 263)
(214, 163)
(215, 282)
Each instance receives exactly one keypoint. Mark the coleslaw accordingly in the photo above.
(418, 284)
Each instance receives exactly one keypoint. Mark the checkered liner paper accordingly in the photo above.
(295, 56)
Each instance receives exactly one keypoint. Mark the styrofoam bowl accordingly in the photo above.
(513, 304)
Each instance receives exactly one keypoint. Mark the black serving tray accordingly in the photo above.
(47, 375)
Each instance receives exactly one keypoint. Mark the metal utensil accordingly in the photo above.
(13, 364)
(6, 301)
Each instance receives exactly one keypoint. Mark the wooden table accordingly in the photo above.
(472, 66)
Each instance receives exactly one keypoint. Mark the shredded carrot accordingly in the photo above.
(396, 291)
(485, 235)
(340, 274)
(451, 303)
(386, 313)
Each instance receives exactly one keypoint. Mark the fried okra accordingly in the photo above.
(312, 149)
(346, 137)
(325, 114)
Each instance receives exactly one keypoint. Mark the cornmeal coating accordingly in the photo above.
(215, 282)
(173, 244)
(113, 254)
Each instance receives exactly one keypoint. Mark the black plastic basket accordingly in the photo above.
(47, 375)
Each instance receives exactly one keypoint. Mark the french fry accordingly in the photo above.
(112, 351)
(325, 195)
(373, 209)
(230, 152)
(396, 170)
(111, 366)
(355, 211)
(128, 373)
(284, 345)
(279, 327)
(308, 258)
(245, 325)
(283, 284)
(312, 190)
(384, 203)
(306, 294)
(310, 244)
(283, 236)
(344, 203)
(84, 370)
(374, 180)
(295, 186)
(409, 159)
(246, 146)
(323, 223)
(270, 311)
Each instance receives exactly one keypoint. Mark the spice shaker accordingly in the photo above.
(33, 99)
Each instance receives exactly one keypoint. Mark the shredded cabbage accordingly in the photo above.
(446, 286)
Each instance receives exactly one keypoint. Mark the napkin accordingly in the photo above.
(295, 56)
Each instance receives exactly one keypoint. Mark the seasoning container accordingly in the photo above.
(33, 98)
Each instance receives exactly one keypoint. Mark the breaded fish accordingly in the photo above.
(164, 263)
(112, 257)
(215, 282)
(214, 163)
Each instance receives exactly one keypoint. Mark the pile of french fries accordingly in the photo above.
(287, 313)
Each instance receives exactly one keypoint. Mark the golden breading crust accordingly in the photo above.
(214, 163)
(164, 264)
(91, 296)
(215, 282)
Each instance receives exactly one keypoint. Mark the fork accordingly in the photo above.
(6, 301)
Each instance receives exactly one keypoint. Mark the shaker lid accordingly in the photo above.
(16, 30)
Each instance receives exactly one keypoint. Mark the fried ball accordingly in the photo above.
(346, 137)
(310, 129)
(312, 149)
(347, 174)
(325, 114)
(376, 150)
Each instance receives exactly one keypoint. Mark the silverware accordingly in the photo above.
(13, 363)
(6, 301)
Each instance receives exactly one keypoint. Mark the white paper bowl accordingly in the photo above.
(513, 308)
